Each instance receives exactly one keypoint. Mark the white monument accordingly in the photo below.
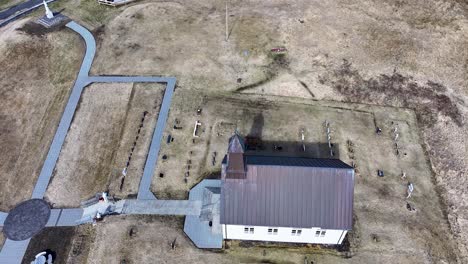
(48, 13)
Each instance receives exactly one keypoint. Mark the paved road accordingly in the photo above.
(14, 12)
(19, 7)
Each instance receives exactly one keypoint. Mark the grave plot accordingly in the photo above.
(199, 125)
(107, 136)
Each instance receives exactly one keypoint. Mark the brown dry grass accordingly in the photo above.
(36, 77)
(403, 53)
(380, 207)
(100, 140)
(8, 3)
(147, 239)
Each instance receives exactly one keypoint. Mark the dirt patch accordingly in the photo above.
(279, 62)
(429, 100)
(264, 252)
(67, 244)
(136, 136)
(149, 242)
(253, 33)
(2, 239)
(56, 239)
(168, 48)
(388, 44)
(35, 29)
(81, 244)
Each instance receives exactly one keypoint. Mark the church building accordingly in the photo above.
(284, 199)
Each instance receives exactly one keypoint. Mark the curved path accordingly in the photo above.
(90, 44)
(67, 117)
(13, 251)
(83, 79)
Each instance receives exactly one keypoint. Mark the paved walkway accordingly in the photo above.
(3, 216)
(13, 251)
(201, 210)
(64, 217)
(162, 207)
(144, 192)
(67, 117)
(81, 82)
(205, 229)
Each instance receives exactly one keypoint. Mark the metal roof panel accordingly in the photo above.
(290, 196)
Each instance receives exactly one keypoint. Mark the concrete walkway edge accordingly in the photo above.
(3, 216)
(67, 117)
(13, 251)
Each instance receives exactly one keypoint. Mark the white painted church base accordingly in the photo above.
(284, 234)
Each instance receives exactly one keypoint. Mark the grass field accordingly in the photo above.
(357, 64)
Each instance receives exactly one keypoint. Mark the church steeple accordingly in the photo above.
(236, 144)
(235, 158)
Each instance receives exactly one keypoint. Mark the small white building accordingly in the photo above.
(285, 199)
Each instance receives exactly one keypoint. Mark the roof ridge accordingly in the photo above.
(278, 156)
(295, 162)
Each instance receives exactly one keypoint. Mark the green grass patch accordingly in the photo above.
(89, 12)
(4, 4)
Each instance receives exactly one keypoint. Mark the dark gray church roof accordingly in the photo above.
(292, 161)
(290, 192)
